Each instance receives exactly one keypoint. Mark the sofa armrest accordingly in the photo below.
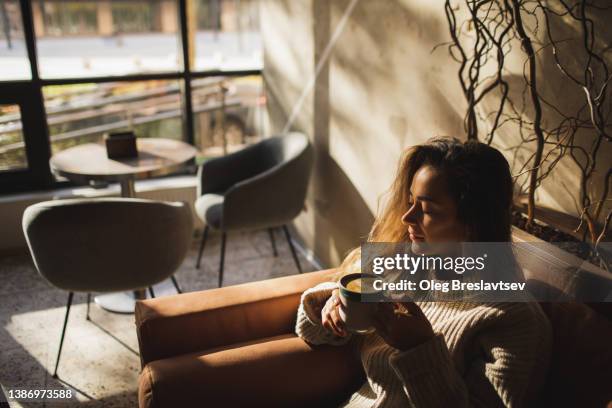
(190, 322)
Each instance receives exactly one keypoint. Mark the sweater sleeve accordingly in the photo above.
(509, 369)
(308, 325)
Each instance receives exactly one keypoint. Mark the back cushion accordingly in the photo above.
(581, 365)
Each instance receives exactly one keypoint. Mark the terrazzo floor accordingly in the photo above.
(100, 357)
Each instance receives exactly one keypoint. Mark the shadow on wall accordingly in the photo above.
(342, 218)
(340, 224)
(390, 89)
(561, 189)
(379, 90)
(288, 60)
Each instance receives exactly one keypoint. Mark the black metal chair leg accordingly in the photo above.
(223, 237)
(175, 283)
(202, 243)
(271, 233)
(59, 352)
(88, 302)
(295, 258)
(151, 292)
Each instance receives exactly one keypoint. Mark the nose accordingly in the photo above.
(409, 216)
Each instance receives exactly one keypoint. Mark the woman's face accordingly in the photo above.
(432, 213)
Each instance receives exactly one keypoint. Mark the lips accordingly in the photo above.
(415, 237)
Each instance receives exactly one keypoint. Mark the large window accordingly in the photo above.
(181, 69)
(229, 113)
(83, 113)
(12, 147)
(226, 35)
(14, 62)
(85, 39)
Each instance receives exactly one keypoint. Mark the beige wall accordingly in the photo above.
(382, 89)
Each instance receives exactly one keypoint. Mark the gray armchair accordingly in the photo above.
(106, 245)
(262, 186)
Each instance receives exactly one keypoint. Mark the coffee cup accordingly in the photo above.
(359, 301)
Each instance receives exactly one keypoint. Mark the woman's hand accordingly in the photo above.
(330, 316)
(402, 325)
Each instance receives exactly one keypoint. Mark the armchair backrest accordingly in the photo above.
(107, 244)
(276, 195)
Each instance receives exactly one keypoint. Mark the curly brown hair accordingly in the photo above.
(479, 180)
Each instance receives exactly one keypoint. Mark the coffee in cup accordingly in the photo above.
(358, 299)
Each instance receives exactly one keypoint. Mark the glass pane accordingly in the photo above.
(14, 63)
(83, 113)
(226, 35)
(229, 113)
(12, 146)
(102, 38)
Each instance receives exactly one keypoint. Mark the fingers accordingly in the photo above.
(390, 310)
(329, 325)
(385, 310)
(337, 320)
(402, 325)
(330, 316)
(412, 308)
(388, 315)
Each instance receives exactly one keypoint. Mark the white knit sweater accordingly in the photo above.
(483, 354)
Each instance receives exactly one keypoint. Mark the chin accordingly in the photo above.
(420, 247)
(435, 248)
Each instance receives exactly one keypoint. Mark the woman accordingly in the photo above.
(441, 354)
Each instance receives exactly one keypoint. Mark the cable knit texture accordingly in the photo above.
(483, 355)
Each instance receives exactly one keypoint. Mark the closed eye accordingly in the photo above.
(411, 204)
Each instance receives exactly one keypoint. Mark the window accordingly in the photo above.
(227, 35)
(12, 146)
(110, 65)
(14, 62)
(106, 38)
(83, 113)
(229, 113)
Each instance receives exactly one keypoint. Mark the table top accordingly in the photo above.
(156, 157)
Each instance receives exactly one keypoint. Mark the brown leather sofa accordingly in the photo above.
(235, 346)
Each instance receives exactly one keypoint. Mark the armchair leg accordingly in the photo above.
(88, 302)
(202, 243)
(175, 283)
(59, 351)
(271, 233)
(295, 258)
(223, 237)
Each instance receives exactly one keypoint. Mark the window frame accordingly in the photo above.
(36, 135)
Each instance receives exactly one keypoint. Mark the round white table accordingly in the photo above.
(156, 157)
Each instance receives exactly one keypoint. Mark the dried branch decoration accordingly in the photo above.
(484, 35)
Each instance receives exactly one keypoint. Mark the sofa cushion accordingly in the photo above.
(581, 365)
(278, 371)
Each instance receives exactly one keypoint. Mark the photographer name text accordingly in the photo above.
(446, 286)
